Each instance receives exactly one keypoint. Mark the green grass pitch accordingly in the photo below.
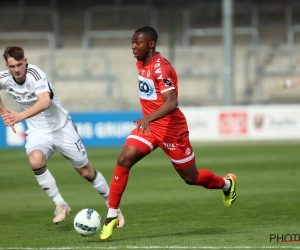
(161, 211)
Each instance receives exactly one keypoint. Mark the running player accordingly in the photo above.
(162, 125)
(49, 127)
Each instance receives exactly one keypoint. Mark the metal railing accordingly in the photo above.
(31, 36)
(208, 72)
(21, 11)
(261, 72)
(117, 10)
(103, 34)
(111, 81)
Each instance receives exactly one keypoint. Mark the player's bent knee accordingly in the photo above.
(86, 173)
(124, 162)
(35, 163)
(36, 160)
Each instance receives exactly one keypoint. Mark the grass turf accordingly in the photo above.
(161, 211)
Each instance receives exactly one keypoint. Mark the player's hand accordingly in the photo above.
(12, 126)
(11, 118)
(13, 129)
(143, 125)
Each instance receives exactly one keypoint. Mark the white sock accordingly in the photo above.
(226, 185)
(112, 212)
(48, 184)
(100, 184)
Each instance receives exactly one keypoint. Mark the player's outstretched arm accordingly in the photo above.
(41, 104)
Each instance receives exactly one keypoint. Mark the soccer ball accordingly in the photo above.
(87, 222)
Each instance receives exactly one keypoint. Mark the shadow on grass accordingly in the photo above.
(198, 232)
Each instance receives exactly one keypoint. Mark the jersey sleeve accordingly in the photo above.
(3, 78)
(39, 80)
(164, 75)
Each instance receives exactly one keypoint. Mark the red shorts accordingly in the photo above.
(176, 145)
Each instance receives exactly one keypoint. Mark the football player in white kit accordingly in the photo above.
(49, 127)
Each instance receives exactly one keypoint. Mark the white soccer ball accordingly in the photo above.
(87, 222)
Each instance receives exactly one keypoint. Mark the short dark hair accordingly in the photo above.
(148, 31)
(15, 52)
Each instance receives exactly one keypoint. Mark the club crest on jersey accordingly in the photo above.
(167, 82)
(188, 151)
(148, 73)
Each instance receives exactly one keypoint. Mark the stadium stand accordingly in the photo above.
(92, 54)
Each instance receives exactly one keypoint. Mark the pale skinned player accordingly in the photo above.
(49, 127)
(162, 125)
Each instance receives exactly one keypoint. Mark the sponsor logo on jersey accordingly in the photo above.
(158, 69)
(167, 82)
(147, 89)
(43, 86)
(17, 98)
(29, 97)
(169, 146)
(24, 97)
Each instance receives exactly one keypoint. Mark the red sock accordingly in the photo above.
(209, 180)
(117, 186)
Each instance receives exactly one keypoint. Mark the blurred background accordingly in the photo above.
(227, 53)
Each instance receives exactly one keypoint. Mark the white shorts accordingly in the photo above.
(66, 140)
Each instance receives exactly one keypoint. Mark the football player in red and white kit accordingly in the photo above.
(162, 125)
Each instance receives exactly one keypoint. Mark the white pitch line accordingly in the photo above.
(151, 247)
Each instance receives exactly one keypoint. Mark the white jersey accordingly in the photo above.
(49, 120)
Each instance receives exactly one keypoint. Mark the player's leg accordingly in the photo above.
(200, 177)
(93, 176)
(99, 183)
(128, 157)
(207, 179)
(135, 148)
(69, 144)
(39, 149)
(183, 159)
